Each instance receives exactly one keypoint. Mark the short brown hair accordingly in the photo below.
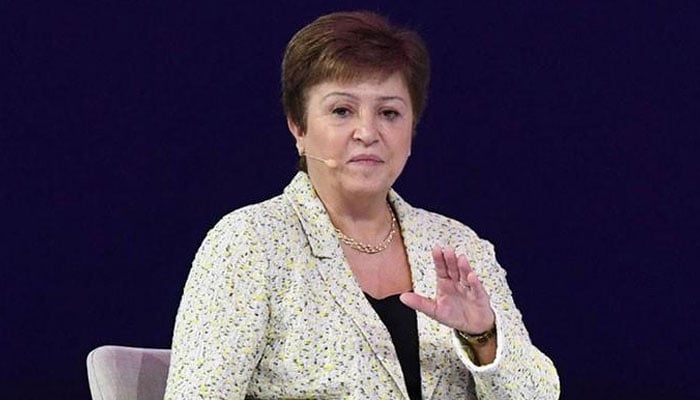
(349, 45)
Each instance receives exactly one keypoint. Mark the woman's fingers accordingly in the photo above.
(476, 287)
(464, 270)
(439, 261)
(419, 303)
(450, 266)
(445, 263)
(457, 269)
(451, 262)
(460, 301)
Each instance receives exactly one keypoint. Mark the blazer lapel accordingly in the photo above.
(334, 270)
(431, 334)
(348, 296)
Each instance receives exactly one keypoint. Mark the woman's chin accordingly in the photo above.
(362, 185)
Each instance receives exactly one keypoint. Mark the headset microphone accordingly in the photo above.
(329, 162)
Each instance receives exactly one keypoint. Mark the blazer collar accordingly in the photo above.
(313, 217)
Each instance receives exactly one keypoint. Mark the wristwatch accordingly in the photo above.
(480, 338)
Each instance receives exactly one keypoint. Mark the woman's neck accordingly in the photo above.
(364, 218)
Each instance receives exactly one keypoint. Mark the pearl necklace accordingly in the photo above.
(368, 248)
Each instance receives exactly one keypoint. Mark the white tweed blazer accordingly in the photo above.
(271, 310)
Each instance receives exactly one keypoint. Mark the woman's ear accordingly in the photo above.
(298, 135)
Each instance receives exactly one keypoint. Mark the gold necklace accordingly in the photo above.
(368, 248)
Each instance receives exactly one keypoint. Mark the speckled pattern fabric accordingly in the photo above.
(271, 311)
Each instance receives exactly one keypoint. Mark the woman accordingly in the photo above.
(338, 288)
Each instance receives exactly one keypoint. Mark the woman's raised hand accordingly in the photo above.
(461, 301)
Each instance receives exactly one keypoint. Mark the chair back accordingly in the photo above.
(127, 373)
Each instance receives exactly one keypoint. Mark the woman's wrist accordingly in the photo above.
(481, 348)
(478, 339)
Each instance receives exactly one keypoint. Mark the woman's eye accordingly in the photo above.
(390, 114)
(341, 111)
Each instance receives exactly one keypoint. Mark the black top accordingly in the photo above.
(403, 328)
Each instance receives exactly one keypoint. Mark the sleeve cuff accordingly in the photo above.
(467, 356)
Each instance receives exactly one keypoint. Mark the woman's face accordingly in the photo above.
(365, 127)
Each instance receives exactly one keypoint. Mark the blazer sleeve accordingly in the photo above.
(222, 318)
(520, 370)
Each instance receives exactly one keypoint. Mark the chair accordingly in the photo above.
(127, 373)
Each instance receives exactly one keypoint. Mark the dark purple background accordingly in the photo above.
(566, 135)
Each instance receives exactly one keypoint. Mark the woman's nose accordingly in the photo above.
(367, 129)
